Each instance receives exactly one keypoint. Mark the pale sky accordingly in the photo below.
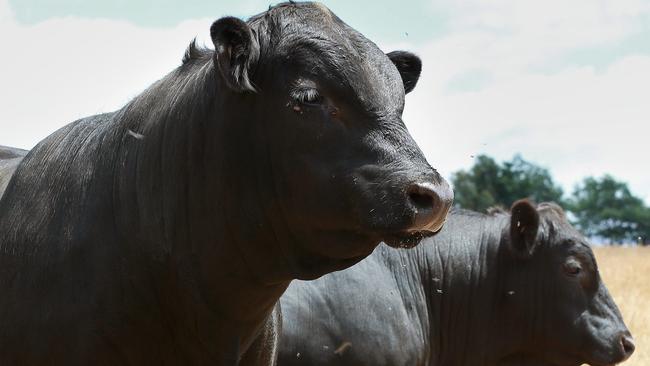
(564, 83)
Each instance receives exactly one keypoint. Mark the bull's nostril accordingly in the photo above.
(425, 202)
(421, 201)
(627, 343)
(429, 203)
(422, 196)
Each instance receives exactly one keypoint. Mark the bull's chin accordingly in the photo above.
(407, 239)
(572, 360)
(538, 360)
(598, 363)
(330, 251)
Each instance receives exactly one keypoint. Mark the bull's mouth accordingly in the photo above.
(408, 239)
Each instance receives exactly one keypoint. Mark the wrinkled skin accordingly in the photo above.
(506, 290)
(165, 232)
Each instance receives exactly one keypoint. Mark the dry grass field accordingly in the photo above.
(625, 272)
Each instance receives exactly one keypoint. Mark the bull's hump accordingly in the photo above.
(325, 12)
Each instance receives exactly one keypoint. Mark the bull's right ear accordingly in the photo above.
(236, 51)
(409, 67)
(524, 225)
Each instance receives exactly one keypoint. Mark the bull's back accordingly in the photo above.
(7, 153)
(9, 159)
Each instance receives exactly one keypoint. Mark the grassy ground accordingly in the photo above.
(625, 272)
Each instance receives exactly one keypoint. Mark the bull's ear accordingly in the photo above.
(236, 52)
(409, 66)
(524, 224)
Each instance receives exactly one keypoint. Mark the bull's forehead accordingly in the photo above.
(324, 43)
(560, 229)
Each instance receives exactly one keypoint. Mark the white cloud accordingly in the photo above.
(63, 69)
(574, 23)
(509, 37)
(575, 121)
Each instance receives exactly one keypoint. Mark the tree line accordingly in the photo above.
(602, 207)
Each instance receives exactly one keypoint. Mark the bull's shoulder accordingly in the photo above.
(61, 174)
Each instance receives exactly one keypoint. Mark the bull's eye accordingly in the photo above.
(572, 268)
(307, 96)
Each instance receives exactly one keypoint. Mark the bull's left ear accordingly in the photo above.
(409, 66)
(524, 225)
(236, 51)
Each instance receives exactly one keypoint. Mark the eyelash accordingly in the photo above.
(309, 96)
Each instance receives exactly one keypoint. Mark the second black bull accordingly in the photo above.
(520, 289)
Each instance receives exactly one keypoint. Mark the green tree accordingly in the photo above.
(604, 207)
(488, 184)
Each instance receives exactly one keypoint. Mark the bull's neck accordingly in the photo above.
(463, 287)
(187, 191)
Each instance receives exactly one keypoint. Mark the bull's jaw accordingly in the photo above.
(333, 251)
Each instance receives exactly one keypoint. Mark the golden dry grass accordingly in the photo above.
(625, 272)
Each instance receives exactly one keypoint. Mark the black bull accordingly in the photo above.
(488, 290)
(166, 231)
